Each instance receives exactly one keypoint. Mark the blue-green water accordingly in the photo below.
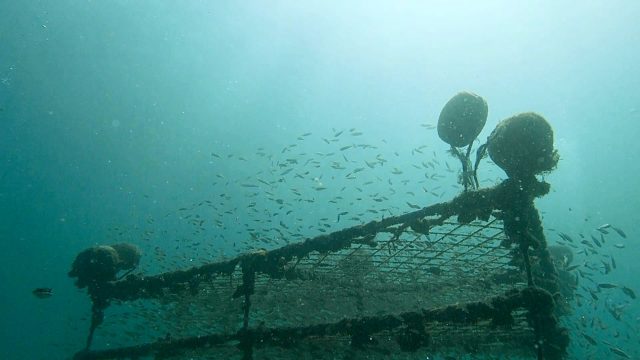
(110, 113)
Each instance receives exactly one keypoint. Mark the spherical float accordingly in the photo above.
(95, 265)
(128, 254)
(522, 145)
(462, 119)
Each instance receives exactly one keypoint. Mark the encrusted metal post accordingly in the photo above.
(97, 316)
(248, 287)
(521, 221)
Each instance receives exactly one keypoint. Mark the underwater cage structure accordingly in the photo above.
(468, 278)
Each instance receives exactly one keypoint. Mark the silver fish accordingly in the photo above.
(43, 293)
(620, 232)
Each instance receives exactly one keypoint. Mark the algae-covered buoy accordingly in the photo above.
(462, 119)
(522, 145)
(128, 255)
(99, 264)
(95, 265)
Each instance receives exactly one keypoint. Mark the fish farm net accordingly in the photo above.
(468, 278)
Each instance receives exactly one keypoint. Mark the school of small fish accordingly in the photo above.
(313, 186)
(596, 301)
(272, 197)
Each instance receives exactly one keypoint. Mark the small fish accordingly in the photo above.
(566, 237)
(620, 232)
(591, 340)
(607, 286)
(619, 245)
(603, 226)
(43, 293)
(413, 206)
(630, 293)
(619, 352)
(573, 267)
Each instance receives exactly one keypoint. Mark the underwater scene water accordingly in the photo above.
(201, 130)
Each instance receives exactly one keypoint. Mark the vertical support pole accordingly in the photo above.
(97, 310)
(248, 285)
(519, 219)
(524, 248)
(97, 316)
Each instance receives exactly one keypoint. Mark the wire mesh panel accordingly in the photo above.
(481, 341)
(179, 312)
(453, 264)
